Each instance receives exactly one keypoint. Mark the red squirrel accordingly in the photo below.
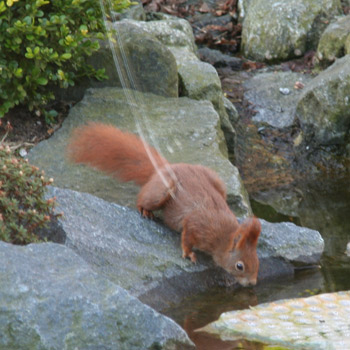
(192, 197)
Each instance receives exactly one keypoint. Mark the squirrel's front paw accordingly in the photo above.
(191, 256)
(145, 213)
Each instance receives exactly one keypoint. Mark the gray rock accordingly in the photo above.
(140, 255)
(280, 29)
(51, 299)
(231, 111)
(333, 40)
(228, 122)
(286, 201)
(242, 6)
(183, 130)
(271, 106)
(171, 31)
(143, 61)
(144, 257)
(299, 245)
(347, 45)
(198, 80)
(219, 59)
(133, 59)
(323, 108)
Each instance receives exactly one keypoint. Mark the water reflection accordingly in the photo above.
(196, 312)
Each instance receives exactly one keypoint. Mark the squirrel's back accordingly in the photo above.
(120, 154)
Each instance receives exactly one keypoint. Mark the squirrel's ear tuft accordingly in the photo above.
(249, 232)
(254, 230)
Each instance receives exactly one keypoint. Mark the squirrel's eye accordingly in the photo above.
(239, 266)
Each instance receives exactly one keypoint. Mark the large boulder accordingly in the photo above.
(183, 130)
(323, 109)
(138, 61)
(197, 80)
(133, 59)
(51, 299)
(171, 31)
(145, 258)
(333, 40)
(275, 30)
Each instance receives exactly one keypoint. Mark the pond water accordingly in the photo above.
(324, 205)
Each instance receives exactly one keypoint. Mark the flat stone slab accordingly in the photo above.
(315, 323)
(183, 130)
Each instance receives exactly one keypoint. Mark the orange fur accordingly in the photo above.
(192, 197)
(117, 153)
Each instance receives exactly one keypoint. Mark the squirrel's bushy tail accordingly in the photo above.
(114, 152)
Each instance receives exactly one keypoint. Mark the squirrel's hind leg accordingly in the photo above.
(154, 194)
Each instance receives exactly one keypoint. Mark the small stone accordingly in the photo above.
(299, 85)
(347, 252)
(284, 91)
(23, 152)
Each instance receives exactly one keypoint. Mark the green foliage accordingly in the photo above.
(23, 208)
(119, 5)
(46, 42)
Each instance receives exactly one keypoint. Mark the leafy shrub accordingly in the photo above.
(23, 208)
(46, 41)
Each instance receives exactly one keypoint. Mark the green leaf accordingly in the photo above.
(27, 20)
(2, 6)
(52, 113)
(66, 56)
(41, 81)
(29, 54)
(18, 72)
(54, 56)
(39, 3)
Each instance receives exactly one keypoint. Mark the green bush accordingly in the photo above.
(23, 208)
(43, 42)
